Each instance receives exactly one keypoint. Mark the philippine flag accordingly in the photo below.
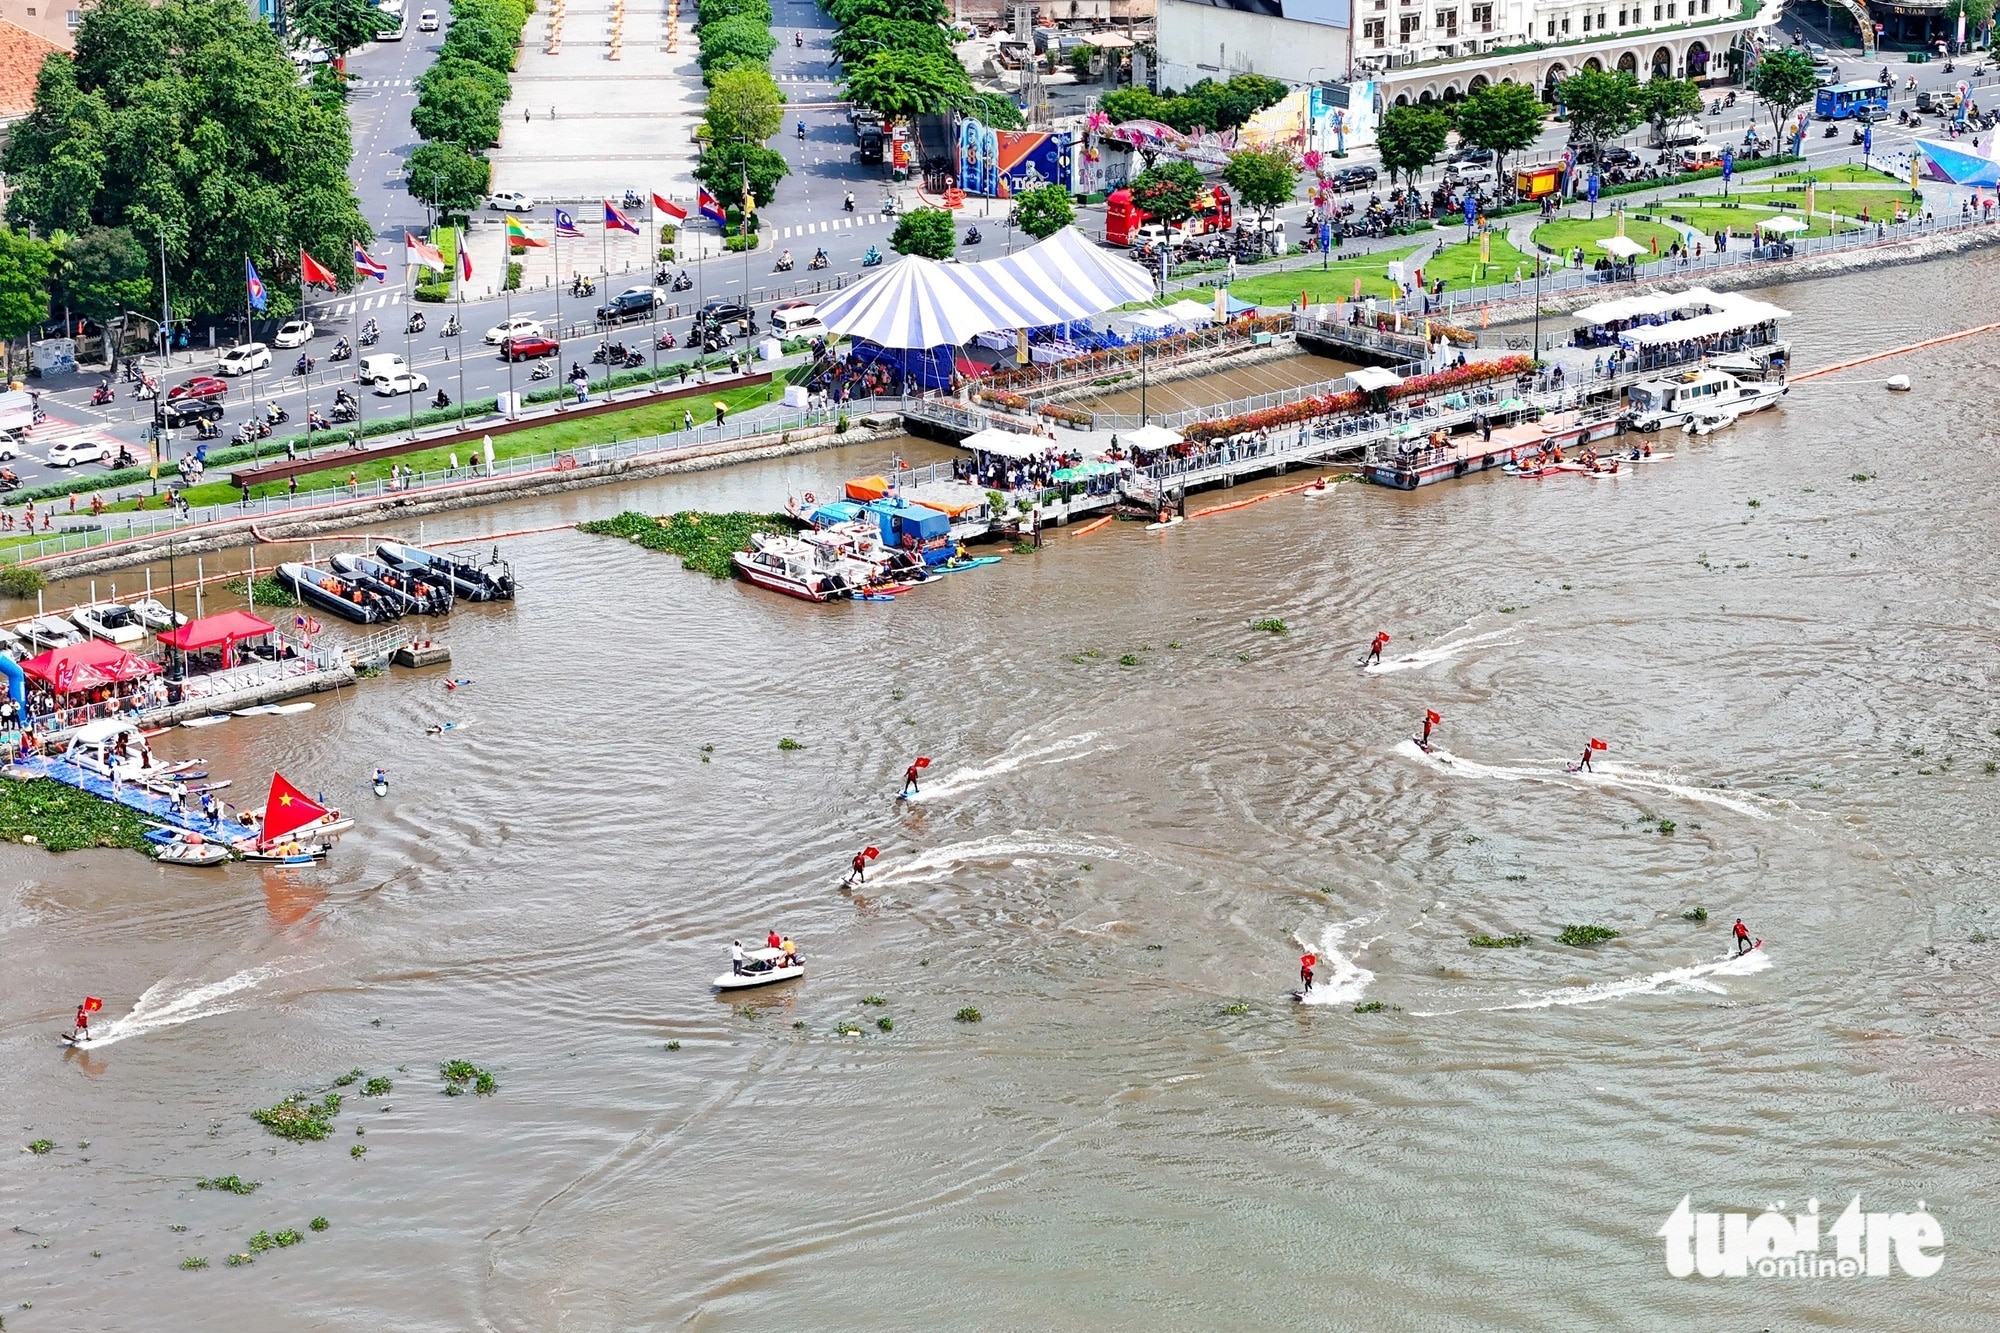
(710, 209)
(614, 218)
(366, 266)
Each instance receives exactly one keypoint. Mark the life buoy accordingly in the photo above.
(809, 497)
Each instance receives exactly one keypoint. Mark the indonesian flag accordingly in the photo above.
(1597, 744)
(710, 208)
(287, 809)
(1431, 717)
(614, 218)
(91, 1004)
(422, 252)
(464, 261)
(316, 273)
(517, 234)
(668, 208)
(367, 266)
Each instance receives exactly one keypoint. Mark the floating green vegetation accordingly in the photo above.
(1272, 625)
(194, 1261)
(787, 743)
(704, 542)
(269, 591)
(63, 819)
(42, 1147)
(379, 1086)
(1517, 879)
(1236, 1010)
(673, 1046)
(750, 1012)
(707, 753)
(1667, 826)
(1498, 941)
(177, 1227)
(846, 1027)
(230, 1184)
(1755, 503)
(886, 1023)
(1695, 914)
(1507, 610)
(1129, 659)
(300, 1119)
(1859, 476)
(967, 1015)
(289, 1236)
(1579, 936)
(873, 999)
(1979, 937)
(358, 1151)
(1173, 643)
(1025, 548)
(351, 1076)
(1370, 1007)
(237, 1260)
(459, 1073)
(261, 1242)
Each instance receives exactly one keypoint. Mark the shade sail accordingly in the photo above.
(216, 631)
(1365, 378)
(917, 303)
(85, 666)
(1783, 224)
(1624, 247)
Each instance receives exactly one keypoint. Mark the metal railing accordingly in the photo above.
(1124, 362)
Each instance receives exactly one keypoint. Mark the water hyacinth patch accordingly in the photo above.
(229, 1184)
(704, 542)
(1582, 936)
(459, 1073)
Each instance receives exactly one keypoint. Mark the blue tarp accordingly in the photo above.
(900, 518)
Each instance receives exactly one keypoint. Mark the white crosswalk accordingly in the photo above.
(394, 296)
(838, 224)
(381, 83)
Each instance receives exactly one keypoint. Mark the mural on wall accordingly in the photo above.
(1001, 163)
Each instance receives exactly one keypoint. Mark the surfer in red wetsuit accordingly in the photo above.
(910, 780)
(1374, 653)
(859, 874)
(1742, 933)
(1306, 965)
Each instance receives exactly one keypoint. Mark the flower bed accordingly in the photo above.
(1339, 404)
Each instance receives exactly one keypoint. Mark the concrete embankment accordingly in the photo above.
(344, 516)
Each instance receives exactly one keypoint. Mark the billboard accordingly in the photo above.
(1327, 13)
(1002, 163)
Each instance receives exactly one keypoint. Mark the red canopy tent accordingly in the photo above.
(224, 631)
(85, 666)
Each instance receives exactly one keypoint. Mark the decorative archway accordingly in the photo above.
(1697, 60)
(1402, 99)
(1426, 97)
(1557, 73)
(1663, 63)
(1477, 82)
(1452, 94)
(1594, 65)
(1629, 64)
(1859, 12)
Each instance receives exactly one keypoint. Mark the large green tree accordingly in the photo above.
(106, 273)
(901, 85)
(185, 122)
(714, 11)
(1784, 80)
(1661, 102)
(1043, 211)
(25, 266)
(744, 106)
(872, 33)
(339, 25)
(929, 232)
(1502, 117)
(458, 110)
(725, 167)
(846, 12)
(1167, 192)
(450, 69)
(486, 31)
(1410, 139)
(734, 43)
(1262, 178)
(446, 177)
(1600, 106)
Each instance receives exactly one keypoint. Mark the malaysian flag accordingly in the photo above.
(366, 266)
(566, 226)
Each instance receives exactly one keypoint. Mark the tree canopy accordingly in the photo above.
(901, 85)
(925, 231)
(339, 25)
(1600, 106)
(1661, 102)
(871, 33)
(1207, 105)
(25, 266)
(446, 177)
(724, 166)
(1784, 80)
(1410, 139)
(734, 43)
(1043, 211)
(1167, 192)
(1262, 178)
(744, 106)
(458, 109)
(486, 31)
(846, 12)
(1502, 117)
(185, 122)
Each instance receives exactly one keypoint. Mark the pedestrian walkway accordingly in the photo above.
(381, 83)
(374, 301)
(858, 221)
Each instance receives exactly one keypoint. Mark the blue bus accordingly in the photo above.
(1842, 100)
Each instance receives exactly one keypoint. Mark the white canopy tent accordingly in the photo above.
(1741, 314)
(1783, 223)
(1650, 303)
(1365, 378)
(1621, 247)
(910, 304)
(1150, 438)
(1192, 313)
(1007, 443)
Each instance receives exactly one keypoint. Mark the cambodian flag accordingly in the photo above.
(613, 218)
(710, 209)
(365, 266)
(566, 226)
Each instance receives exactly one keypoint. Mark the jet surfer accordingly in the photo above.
(910, 780)
(1374, 653)
(859, 873)
(1431, 719)
(81, 1031)
(1307, 962)
(1742, 934)
(1582, 765)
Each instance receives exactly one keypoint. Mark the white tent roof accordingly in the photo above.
(1742, 313)
(1622, 246)
(1007, 443)
(1150, 437)
(1192, 312)
(1783, 223)
(1372, 377)
(919, 303)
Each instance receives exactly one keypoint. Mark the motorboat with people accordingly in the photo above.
(116, 750)
(797, 568)
(849, 554)
(155, 616)
(762, 967)
(113, 624)
(1670, 401)
(190, 849)
(328, 592)
(287, 853)
(491, 582)
(432, 598)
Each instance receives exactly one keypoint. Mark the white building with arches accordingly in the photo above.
(1418, 51)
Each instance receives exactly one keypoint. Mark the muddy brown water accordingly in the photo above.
(1785, 634)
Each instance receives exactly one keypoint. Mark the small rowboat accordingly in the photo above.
(761, 967)
(182, 853)
(289, 854)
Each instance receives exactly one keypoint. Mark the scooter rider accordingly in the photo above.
(848, 203)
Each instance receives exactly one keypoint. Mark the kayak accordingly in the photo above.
(958, 566)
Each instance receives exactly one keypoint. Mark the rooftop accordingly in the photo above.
(21, 56)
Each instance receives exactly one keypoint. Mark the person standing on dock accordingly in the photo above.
(1374, 653)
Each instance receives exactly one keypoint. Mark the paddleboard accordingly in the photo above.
(1299, 996)
(1655, 458)
(440, 727)
(209, 786)
(874, 597)
(293, 708)
(256, 710)
(1155, 527)
(208, 721)
(381, 789)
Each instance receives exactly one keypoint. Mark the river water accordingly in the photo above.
(1140, 811)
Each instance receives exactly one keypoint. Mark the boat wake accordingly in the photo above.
(1608, 776)
(1615, 776)
(172, 1002)
(1338, 979)
(1694, 977)
(965, 779)
(1442, 652)
(937, 863)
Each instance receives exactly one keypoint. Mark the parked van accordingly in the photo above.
(798, 320)
(375, 369)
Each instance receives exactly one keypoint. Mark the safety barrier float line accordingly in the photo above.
(1092, 526)
(1895, 351)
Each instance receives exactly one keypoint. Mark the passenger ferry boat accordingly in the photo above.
(1705, 393)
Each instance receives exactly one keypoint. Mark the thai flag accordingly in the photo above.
(366, 266)
(613, 218)
(710, 209)
(566, 226)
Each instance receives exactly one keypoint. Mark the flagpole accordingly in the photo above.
(249, 336)
(653, 258)
(409, 310)
(701, 302)
(307, 377)
(555, 241)
(464, 261)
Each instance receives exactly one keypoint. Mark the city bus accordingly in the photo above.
(1842, 100)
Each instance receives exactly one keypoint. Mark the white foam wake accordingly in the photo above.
(936, 863)
(964, 779)
(1695, 976)
(171, 1002)
(1442, 652)
(1338, 979)
(1607, 775)
(1617, 776)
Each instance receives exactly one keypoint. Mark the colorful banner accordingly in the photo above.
(1281, 125)
(1002, 163)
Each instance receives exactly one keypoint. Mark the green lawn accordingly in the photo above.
(655, 419)
(1740, 221)
(1459, 264)
(1565, 234)
(1850, 174)
(1323, 286)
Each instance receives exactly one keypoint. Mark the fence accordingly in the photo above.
(1043, 377)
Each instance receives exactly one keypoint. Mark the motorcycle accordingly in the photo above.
(1832, 132)
(632, 199)
(1729, 100)
(972, 237)
(275, 415)
(207, 430)
(441, 400)
(798, 40)
(633, 360)
(1950, 68)
(103, 395)
(664, 341)
(582, 286)
(888, 206)
(683, 282)
(314, 421)
(542, 372)
(415, 323)
(304, 365)
(1715, 107)
(847, 204)
(608, 352)
(1858, 138)
(818, 261)
(451, 328)
(146, 392)
(784, 264)
(124, 458)
(346, 412)
(370, 336)
(872, 258)
(342, 351)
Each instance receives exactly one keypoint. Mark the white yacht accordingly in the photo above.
(1706, 393)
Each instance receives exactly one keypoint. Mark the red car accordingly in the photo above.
(201, 386)
(523, 349)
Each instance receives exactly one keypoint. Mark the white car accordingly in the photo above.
(68, 453)
(244, 358)
(10, 448)
(403, 381)
(293, 333)
(521, 326)
(510, 201)
(427, 21)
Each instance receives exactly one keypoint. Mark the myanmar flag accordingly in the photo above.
(517, 233)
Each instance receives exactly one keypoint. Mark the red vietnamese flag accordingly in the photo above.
(668, 208)
(1432, 718)
(1597, 744)
(287, 809)
(91, 1004)
(316, 273)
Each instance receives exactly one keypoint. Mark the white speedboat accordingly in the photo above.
(1665, 403)
(113, 749)
(761, 967)
(1706, 420)
(113, 624)
(793, 567)
(14, 645)
(155, 616)
(286, 853)
(188, 852)
(50, 632)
